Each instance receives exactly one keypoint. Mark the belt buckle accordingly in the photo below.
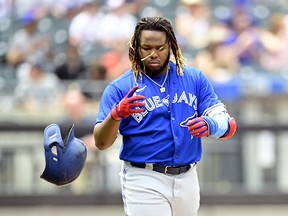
(166, 169)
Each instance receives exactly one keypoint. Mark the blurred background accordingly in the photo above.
(56, 57)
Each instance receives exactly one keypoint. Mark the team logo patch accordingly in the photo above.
(184, 123)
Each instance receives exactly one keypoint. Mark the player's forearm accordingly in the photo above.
(105, 133)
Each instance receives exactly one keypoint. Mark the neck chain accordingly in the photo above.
(162, 88)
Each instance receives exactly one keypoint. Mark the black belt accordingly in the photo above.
(168, 170)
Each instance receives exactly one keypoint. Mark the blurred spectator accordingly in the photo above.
(73, 66)
(96, 71)
(75, 106)
(136, 7)
(36, 89)
(116, 60)
(21, 7)
(84, 27)
(117, 24)
(275, 41)
(28, 42)
(5, 8)
(244, 37)
(66, 8)
(94, 80)
(217, 61)
(97, 78)
(192, 22)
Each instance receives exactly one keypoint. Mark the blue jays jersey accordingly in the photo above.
(159, 134)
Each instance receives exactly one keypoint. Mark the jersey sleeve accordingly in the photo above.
(207, 98)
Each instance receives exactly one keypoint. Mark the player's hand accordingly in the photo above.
(202, 126)
(128, 105)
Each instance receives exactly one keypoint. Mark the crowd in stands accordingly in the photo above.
(240, 38)
(47, 42)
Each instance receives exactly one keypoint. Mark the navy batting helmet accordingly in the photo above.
(64, 159)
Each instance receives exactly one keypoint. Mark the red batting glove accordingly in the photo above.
(128, 105)
(198, 127)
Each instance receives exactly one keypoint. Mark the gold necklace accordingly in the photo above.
(162, 88)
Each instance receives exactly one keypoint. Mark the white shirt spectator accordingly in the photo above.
(5, 8)
(84, 27)
(117, 26)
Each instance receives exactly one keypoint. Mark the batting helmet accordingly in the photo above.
(64, 159)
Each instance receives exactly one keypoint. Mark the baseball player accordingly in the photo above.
(162, 109)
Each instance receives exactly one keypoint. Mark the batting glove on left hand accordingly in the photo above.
(128, 105)
(202, 126)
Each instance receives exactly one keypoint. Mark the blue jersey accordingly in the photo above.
(159, 134)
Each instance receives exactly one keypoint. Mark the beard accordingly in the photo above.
(154, 72)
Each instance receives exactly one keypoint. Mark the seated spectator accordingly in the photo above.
(5, 9)
(192, 22)
(84, 27)
(96, 72)
(28, 42)
(73, 66)
(217, 61)
(117, 24)
(116, 60)
(75, 107)
(274, 57)
(36, 89)
(244, 37)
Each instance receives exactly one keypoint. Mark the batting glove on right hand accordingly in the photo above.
(203, 126)
(128, 105)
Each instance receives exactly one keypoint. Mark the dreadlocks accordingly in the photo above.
(158, 24)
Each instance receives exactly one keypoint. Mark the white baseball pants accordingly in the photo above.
(149, 193)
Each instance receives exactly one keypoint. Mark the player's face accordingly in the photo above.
(154, 51)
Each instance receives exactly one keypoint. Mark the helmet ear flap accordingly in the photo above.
(52, 136)
(53, 145)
